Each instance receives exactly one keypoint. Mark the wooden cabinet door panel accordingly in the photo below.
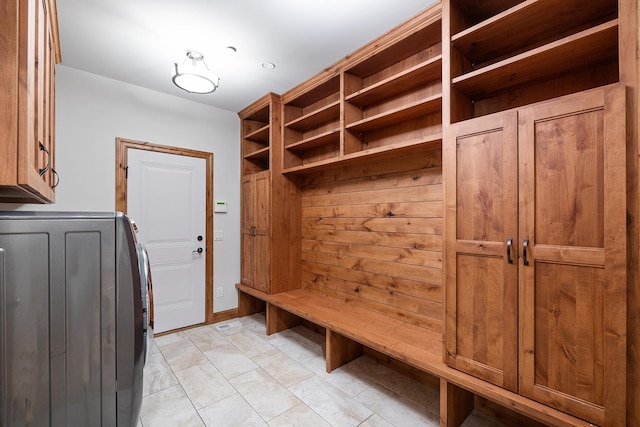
(256, 254)
(573, 283)
(261, 253)
(35, 122)
(246, 228)
(481, 293)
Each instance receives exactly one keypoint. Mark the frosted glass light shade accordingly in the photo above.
(194, 78)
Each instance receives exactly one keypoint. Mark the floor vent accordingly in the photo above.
(225, 326)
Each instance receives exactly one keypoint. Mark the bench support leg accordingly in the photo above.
(248, 305)
(341, 350)
(279, 319)
(455, 404)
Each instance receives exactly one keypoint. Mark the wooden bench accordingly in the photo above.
(349, 327)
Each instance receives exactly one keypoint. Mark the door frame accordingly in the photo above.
(122, 145)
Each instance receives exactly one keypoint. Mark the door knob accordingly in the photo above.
(199, 250)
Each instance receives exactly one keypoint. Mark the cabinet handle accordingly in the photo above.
(46, 168)
(56, 178)
(525, 245)
(509, 244)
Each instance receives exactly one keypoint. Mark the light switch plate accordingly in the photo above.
(218, 235)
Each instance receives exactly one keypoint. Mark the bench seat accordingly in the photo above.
(349, 326)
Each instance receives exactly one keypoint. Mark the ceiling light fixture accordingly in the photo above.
(268, 65)
(193, 75)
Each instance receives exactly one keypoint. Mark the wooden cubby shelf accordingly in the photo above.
(325, 138)
(404, 81)
(260, 135)
(316, 118)
(367, 155)
(312, 122)
(406, 112)
(590, 46)
(262, 154)
(495, 37)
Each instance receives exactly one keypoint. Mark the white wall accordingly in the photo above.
(91, 111)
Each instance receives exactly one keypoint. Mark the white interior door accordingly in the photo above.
(166, 197)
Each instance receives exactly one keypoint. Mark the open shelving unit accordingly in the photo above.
(312, 124)
(394, 96)
(501, 61)
(256, 136)
(385, 99)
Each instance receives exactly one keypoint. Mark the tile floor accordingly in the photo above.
(232, 374)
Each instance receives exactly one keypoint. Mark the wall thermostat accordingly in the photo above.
(220, 207)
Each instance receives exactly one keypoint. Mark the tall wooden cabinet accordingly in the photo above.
(270, 202)
(255, 230)
(481, 235)
(536, 252)
(30, 49)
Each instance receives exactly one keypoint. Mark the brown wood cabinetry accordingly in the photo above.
(270, 202)
(481, 160)
(536, 252)
(255, 230)
(30, 49)
(522, 115)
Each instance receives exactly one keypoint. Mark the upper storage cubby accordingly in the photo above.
(508, 53)
(257, 133)
(312, 123)
(384, 97)
(393, 97)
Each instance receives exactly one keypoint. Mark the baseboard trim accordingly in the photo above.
(224, 315)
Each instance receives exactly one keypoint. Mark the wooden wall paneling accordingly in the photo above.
(364, 239)
(351, 278)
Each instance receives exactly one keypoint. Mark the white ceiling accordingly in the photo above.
(137, 41)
